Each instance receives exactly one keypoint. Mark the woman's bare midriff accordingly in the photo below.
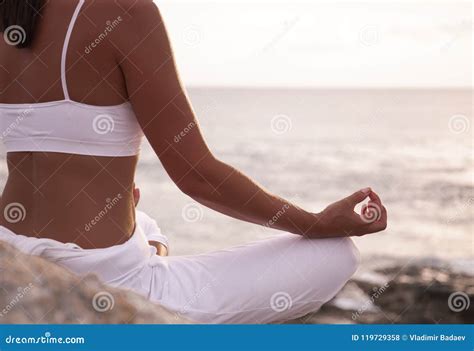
(87, 200)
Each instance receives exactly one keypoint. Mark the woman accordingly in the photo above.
(81, 82)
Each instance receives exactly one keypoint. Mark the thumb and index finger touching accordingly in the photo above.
(375, 208)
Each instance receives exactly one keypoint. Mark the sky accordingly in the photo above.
(399, 43)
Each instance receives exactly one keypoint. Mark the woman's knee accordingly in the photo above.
(323, 257)
(350, 257)
(340, 262)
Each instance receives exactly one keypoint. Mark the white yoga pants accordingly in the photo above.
(268, 281)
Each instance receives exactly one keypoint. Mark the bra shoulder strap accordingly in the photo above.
(65, 48)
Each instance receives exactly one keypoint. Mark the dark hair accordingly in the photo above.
(18, 21)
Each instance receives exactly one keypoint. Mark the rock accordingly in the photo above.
(418, 292)
(33, 290)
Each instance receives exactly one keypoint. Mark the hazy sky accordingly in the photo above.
(313, 43)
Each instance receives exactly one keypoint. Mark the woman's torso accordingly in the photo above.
(84, 199)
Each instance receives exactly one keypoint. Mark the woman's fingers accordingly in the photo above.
(161, 250)
(375, 198)
(381, 224)
(377, 225)
(372, 211)
(358, 196)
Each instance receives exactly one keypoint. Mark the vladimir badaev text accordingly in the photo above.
(434, 337)
(408, 337)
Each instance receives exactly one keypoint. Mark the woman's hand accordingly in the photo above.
(339, 219)
(161, 249)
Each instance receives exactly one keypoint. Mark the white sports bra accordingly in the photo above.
(70, 127)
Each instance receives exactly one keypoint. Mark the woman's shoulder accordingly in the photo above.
(132, 12)
(127, 6)
(132, 19)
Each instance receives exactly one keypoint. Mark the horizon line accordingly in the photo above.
(329, 87)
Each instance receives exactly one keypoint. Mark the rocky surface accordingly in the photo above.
(425, 291)
(33, 290)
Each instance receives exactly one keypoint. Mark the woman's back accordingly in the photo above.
(93, 74)
(67, 196)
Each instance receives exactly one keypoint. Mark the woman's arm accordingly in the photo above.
(168, 121)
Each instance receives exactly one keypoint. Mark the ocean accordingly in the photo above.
(313, 147)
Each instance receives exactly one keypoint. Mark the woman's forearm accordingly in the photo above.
(230, 192)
